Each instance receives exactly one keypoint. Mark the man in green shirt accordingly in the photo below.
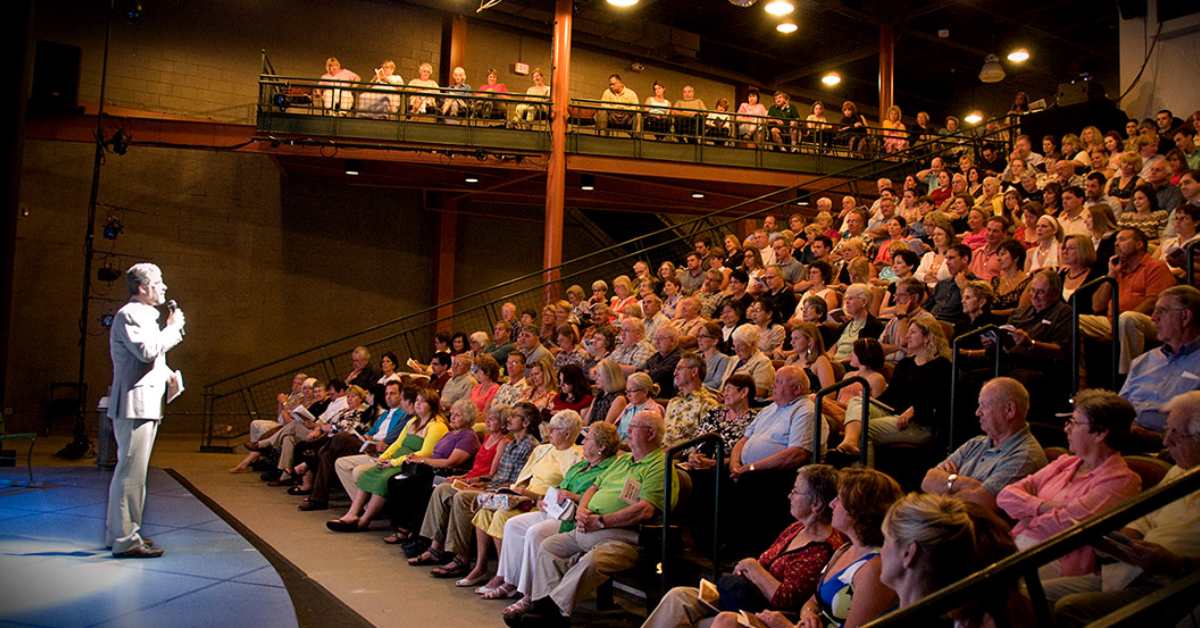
(782, 123)
(630, 492)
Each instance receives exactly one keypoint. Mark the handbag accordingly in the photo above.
(739, 594)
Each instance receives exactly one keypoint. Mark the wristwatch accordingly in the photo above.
(751, 467)
(950, 482)
(600, 521)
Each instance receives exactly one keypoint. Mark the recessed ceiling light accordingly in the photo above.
(787, 28)
(587, 182)
(974, 117)
(778, 7)
(697, 195)
(622, 3)
(471, 180)
(1020, 55)
(831, 79)
(352, 167)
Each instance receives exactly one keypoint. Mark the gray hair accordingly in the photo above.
(568, 420)
(1189, 404)
(468, 409)
(141, 274)
(746, 333)
(860, 290)
(639, 379)
(660, 424)
(480, 336)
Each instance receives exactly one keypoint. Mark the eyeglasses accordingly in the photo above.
(1160, 311)
(1073, 422)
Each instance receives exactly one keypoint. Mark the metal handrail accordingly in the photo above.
(668, 482)
(864, 438)
(1190, 251)
(1024, 564)
(1114, 314)
(954, 351)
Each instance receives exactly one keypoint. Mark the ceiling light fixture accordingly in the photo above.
(831, 79)
(992, 71)
(622, 3)
(697, 195)
(787, 28)
(471, 180)
(352, 167)
(745, 4)
(1020, 55)
(778, 8)
(587, 182)
(973, 118)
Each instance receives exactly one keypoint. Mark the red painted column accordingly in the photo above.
(444, 270)
(556, 171)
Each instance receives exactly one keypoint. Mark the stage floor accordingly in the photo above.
(55, 571)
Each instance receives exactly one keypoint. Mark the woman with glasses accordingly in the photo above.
(717, 365)
(1093, 478)
(640, 391)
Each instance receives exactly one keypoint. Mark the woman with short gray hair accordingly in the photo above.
(751, 361)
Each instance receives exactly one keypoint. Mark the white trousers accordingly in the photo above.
(127, 492)
(348, 469)
(523, 535)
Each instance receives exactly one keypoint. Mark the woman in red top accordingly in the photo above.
(782, 577)
(574, 391)
(486, 371)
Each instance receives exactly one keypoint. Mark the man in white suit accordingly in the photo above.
(140, 381)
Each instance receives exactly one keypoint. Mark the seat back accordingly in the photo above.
(1150, 469)
(1054, 452)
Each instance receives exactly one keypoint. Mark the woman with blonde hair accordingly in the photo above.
(809, 354)
(610, 401)
(895, 135)
(623, 295)
(528, 112)
(640, 392)
(1127, 179)
(1045, 253)
(421, 103)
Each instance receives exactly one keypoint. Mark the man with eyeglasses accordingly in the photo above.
(633, 351)
(692, 402)
(1041, 334)
(1152, 551)
(605, 539)
(1169, 370)
(654, 317)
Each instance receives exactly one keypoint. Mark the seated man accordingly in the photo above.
(1003, 454)
(300, 395)
(502, 343)
(688, 320)
(530, 344)
(859, 322)
(1164, 545)
(653, 317)
(945, 303)
(765, 459)
(461, 381)
(692, 402)
(1172, 369)
(1041, 339)
(661, 366)
(284, 440)
(620, 110)
(1140, 278)
(910, 294)
(634, 350)
(516, 387)
(605, 539)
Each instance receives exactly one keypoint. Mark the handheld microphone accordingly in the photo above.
(171, 307)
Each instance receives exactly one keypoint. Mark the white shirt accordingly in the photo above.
(1175, 526)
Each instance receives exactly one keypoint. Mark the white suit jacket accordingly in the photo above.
(139, 356)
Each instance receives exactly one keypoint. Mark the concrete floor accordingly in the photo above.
(368, 575)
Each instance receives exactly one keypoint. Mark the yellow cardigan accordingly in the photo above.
(433, 433)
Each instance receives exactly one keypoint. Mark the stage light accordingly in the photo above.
(787, 28)
(992, 71)
(1020, 55)
(623, 3)
(831, 79)
(697, 195)
(471, 180)
(113, 228)
(134, 12)
(352, 167)
(779, 8)
(106, 320)
(587, 182)
(973, 118)
(119, 142)
(108, 274)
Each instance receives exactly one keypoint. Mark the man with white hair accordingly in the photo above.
(605, 539)
(361, 374)
(461, 381)
(634, 349)
(141, 380)
(661, 365)
(654, 318)
(688, 320)
(1169, 370)
(1155, 549)
(859, 322)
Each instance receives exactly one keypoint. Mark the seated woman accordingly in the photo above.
(1009, 285)
(718, 366)
(448, 497)
(770, 334)
(458, 83)
(810, 355)
(640, 391)
(916, 394)
(849, 592)
(355, 418)
(931, 541)
(658, 112)
(422, 433)
(1074, 487)
(1046, 251)
(547, 466)
(574, 391)
(523, 534)
(1145, 213)
(528, 112)
(492, 107)
(541, 385)
(753, 362)
(406, 511)
(423, 103)
(729, 421)
(487, 377)
(866, 360)
(784, 575)
(610, 397)
(820, 275)
(569, 349)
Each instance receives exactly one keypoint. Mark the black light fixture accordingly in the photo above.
(587, 182)
(119, 142)
(106, 320)
(107, 273)
(352, 167)
(113, 228)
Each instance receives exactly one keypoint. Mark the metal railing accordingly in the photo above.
(1024, 564)
(1115, 319)
(668, 482)
(955, 351)
(818, 421)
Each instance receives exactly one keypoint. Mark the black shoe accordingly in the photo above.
(543, 614)
(337, 525)
(414, 547)
(296, 490)
(270, 475)
(308, 505)
(141, 551)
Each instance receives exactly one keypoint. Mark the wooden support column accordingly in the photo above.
(443, 272)
(887, 69)
(556, 173)
(454, 45)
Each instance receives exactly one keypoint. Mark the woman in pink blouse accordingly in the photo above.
(1074, 487)
(487, 375)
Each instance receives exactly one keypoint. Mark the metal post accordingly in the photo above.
(1114, 313)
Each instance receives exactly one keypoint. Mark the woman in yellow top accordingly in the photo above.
(547, 465)
(418, 438)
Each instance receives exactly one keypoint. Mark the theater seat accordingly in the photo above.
(1150, 469)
